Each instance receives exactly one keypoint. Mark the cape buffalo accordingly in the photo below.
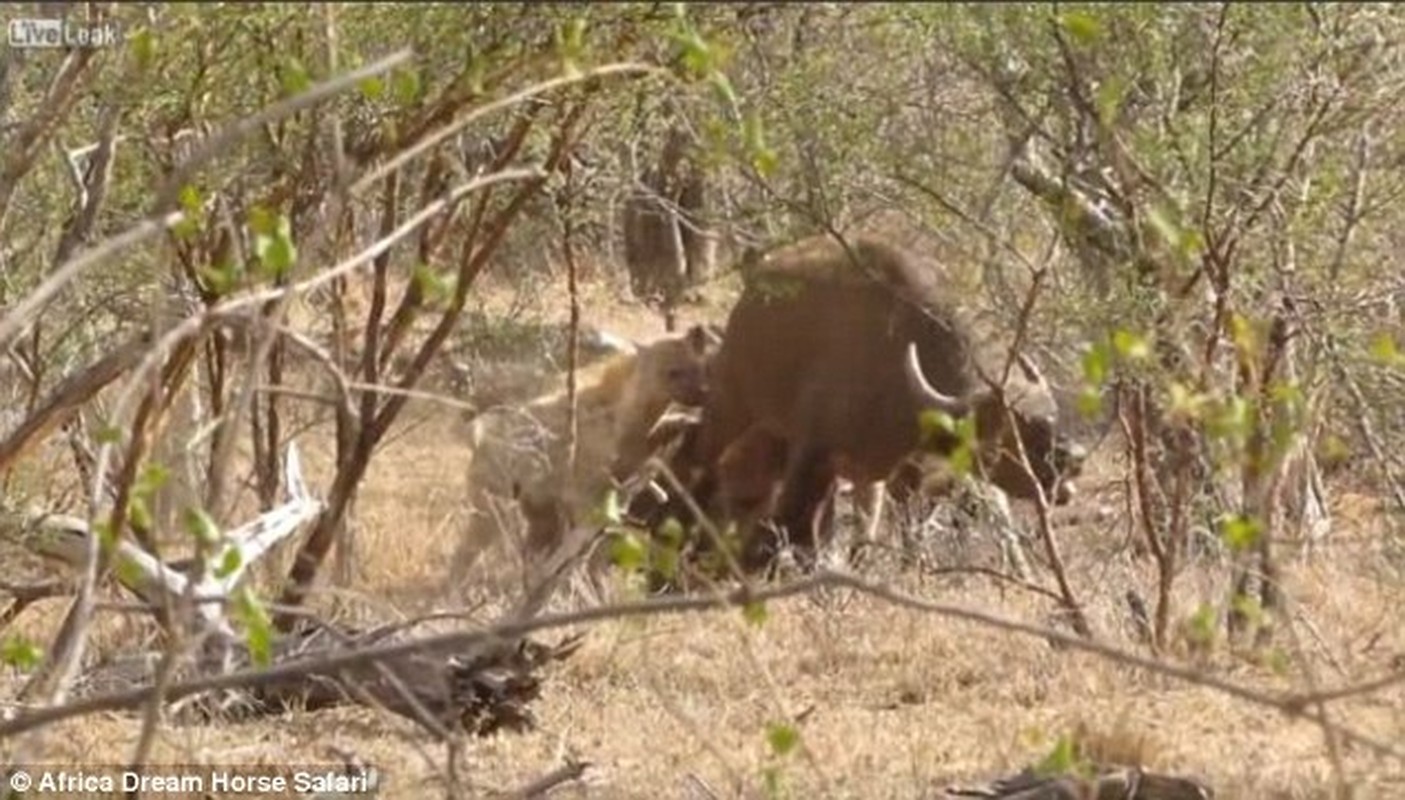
(828, 361)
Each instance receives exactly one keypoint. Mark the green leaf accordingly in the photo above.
(229, 563)
(570, 45)
(670, 533)
(665, 561)
(406, 84)
(1108, 99)
(262, 221)
(771, 780)
(107, 535)
(754, 612)
(1096, 361)
(1192, 244)
(186, 228)
(628, 552)
(1131, 346)
(1240, 532)
(932, 422)
(294, 77)
(371, 88)
(258, 628)
(275, 249)
(694, 53)
(1082, 26)
(151, 478)
(1200, 628)
(1232, 419)
(128, 573)
(191, 202)
(143, 45)
(723, 86)
(221, 279)
(763, 158)
(1245, 334)
(1384, 351)
(19, 652)
(1278, 661)
(1166, 227)
(782, 738)
(1184, 403)
(139, 512)
(1090, 402)
(765, 162)
(432, 286)
(108, 433)
(1333, 449)
(1061, 760)
(475, 69)
(1249, 608)
(201, 526)
(962, 460)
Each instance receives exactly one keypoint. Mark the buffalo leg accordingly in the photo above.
(809, 480)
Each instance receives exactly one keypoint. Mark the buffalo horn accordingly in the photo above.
(927, 396)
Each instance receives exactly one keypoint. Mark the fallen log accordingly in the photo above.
(480, 693)
(1106, 783)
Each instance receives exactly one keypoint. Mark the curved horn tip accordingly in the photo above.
(926, 394)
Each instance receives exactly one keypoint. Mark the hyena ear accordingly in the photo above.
(702, 337)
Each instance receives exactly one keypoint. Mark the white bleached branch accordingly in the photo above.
(64, 537)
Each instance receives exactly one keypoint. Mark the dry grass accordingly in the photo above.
(891, 702)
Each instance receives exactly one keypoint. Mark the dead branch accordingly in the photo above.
(224, 140)
(1068, 600)
(66, 538)
(22, 147)
(514, 99)
(374, 425)
(25, 595)
(15, 320)
(1291, 705)
(68, 397)
(569, 772)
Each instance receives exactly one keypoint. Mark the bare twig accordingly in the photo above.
(66, 398)
(458, 641)
(571, 771)
(12, 322)
(22, 147)
(516, 98)
(27, 594)
(223, 141)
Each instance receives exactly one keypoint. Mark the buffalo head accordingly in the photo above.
(1054, 460)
